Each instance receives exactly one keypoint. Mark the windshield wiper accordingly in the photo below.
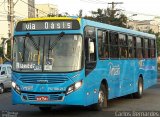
(56, 41)
(51, 46)
(36, 46)
(33, 42)
(24, 49)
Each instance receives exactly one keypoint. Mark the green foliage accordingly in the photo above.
(80, 13)
(8, 51)
(59, 15)
(108, 16)
(1, 51)
(158, 46)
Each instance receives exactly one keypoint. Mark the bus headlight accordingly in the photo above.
(13, 84)
(16, 87)
(73, 87)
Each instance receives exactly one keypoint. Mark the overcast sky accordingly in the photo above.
(146, 7)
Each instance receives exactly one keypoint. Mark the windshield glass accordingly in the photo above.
(47, 53)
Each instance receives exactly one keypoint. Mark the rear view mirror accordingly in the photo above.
(5, 48)
(91, 47)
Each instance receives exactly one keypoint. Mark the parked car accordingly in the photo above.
(5, 77)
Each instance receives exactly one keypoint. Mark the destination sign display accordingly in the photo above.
(47, 25)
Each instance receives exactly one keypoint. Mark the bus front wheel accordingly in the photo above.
(102, 99)
(139, 93)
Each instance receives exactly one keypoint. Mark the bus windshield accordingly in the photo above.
(47, 53)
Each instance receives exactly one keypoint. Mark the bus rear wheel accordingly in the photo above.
(102, 99)
(45, 109)
(139, 93)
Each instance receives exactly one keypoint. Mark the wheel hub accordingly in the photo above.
(101, 97)
(140, 88)
(1, 89)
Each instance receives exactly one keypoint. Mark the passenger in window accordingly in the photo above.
(106, 54)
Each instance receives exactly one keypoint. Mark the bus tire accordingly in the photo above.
(102, 99)
(139, 93)
(1, 88)
(45, 109)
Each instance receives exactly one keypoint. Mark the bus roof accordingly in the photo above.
(51, 18)
(97, 24)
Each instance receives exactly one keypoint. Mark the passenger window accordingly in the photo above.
(114, 49)
(131, 47)
(152, 49)
(123, 49)
(103, 44)
(139, 47)
(146, 48)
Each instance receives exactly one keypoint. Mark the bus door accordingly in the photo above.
(90, 64)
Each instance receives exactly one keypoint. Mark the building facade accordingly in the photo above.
(22, 9)
(46, 9)
(145, 25)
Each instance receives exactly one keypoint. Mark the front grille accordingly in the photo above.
(31, 97)
(42, 79)
(52, 97)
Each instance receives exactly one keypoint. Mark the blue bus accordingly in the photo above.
(75, 61)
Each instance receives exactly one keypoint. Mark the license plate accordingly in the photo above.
(42, 98)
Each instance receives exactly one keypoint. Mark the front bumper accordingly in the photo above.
(56, 98)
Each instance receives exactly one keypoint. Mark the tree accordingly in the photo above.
(109, 16)
(1, 51)
(80, 13)
(8, 50)
(59, 15)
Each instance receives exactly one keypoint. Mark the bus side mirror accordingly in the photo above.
(5, 49)
(91, 47)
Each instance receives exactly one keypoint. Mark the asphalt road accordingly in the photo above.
(149, 102)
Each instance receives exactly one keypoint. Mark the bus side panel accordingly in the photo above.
(149, 73)
(92, 84)
(147, 70)
(127, 76)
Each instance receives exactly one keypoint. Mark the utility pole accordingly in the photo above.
(10, 21)
(37, 12)
(115, 3)
(113, 7)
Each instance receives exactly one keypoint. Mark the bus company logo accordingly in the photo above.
(114, 69)
(42, 81)
(27, 88)
(42, 88)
